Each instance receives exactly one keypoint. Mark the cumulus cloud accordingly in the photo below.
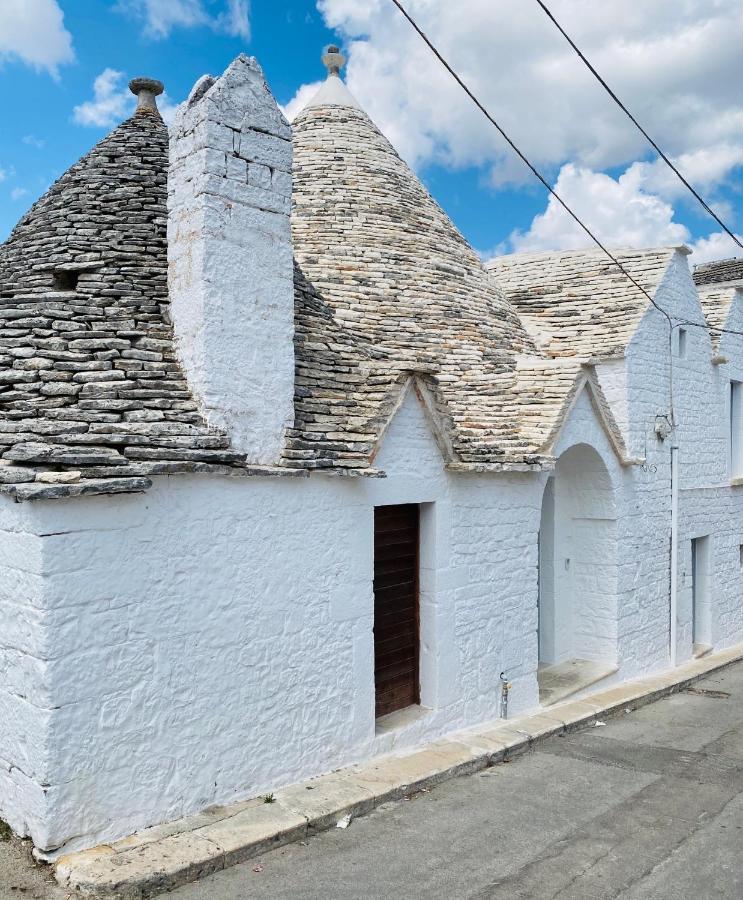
(18, 193)
(677, 66)
(300, 100)
(618, 212)
(716, 246)
(33, 32)
(161, 16)
(113, 101)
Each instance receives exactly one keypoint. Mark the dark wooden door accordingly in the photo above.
(396, 626)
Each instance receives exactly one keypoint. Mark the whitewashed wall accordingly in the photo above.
(213, 638)
(230, 260)
(25, 637)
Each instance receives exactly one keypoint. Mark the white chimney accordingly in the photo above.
(230, 261)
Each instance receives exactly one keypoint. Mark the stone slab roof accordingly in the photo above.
(577, 303)
(720, 271)
(716, 299)
(396, 275)
(89, 380)
(92, 395)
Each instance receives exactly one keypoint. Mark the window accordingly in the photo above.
(681, 343)
(700, 593)
(736, 429)
(740, 555)
(65, 281)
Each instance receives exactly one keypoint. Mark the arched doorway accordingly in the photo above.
(577, 575)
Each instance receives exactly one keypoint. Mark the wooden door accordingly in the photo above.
(396, 625)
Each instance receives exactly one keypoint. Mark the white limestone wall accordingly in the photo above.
(230, 257)
(698, 399)
(213, 638)
(588, 506)
(24, 676)
(725, 505)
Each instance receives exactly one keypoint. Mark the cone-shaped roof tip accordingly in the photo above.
(333, 91)
(146, 90)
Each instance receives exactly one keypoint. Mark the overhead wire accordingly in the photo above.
(637, 125)
(538, 175)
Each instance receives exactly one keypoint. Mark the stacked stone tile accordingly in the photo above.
(89, 380)
(397, 275)
(716, 299)
(579, 309)
(718, 272)
(578, 303)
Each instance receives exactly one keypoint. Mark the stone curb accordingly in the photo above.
(164, 857)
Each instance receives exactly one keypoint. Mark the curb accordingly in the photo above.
(167, 856)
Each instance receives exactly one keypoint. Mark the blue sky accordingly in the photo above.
(52, 52)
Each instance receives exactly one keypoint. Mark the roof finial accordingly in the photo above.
(145, 90)
(333, 60)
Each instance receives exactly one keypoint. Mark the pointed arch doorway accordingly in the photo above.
(577, 630)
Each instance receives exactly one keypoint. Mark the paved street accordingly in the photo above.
(646, 807)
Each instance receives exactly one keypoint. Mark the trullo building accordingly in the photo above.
(289, 477)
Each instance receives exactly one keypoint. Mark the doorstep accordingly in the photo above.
(165, 856)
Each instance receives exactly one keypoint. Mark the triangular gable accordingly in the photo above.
(588, 382)
(416, 384)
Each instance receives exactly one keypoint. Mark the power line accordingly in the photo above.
(538, 175)
(637, 125)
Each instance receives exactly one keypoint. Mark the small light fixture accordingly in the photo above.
(662, 427)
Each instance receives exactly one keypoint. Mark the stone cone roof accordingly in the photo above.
(719, 272)
(89, 380)
(398, 277)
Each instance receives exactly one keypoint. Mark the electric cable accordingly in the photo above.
(538, 175)
(637, 125)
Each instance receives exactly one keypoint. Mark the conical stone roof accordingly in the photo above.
(89, 379)
(395, 271)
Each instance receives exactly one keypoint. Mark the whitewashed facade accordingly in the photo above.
(212, 638)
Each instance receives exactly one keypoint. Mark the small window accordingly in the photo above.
(65, 281)
(681, 344)
(736, 429)
(740, 555)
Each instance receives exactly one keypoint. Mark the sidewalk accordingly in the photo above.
(166, 856)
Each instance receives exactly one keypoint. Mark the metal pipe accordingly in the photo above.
(673, 611)
(504, 689)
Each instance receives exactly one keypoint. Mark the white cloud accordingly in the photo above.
(113, 101)
(677, 66)
(33, 141)
(161, 16)
(716, 246)
(618, 212)
(33, 31)
(18, 193)
(300, 100)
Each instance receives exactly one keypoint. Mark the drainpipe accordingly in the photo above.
(674, 548)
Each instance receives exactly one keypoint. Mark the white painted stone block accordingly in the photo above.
(231, 276)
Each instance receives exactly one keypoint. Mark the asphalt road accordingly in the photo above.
(646, 807)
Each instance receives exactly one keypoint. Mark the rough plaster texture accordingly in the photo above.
(230, 257)
(24, 675)
(213, 640)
